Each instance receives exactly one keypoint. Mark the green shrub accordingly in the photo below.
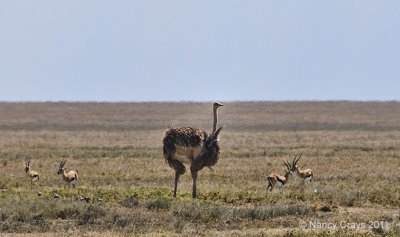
(91, 214)
(272, 211)
(158, 204)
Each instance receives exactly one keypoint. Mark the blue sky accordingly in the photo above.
(226, 50)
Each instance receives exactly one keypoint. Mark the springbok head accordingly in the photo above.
(289, 168)
(27, 165)
(294, 163)
(61, 168)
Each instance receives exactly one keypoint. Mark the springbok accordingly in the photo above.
(32, 175)
(274, 178)
(70, 177)
(305, 175)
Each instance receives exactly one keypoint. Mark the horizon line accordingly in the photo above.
(191, 101)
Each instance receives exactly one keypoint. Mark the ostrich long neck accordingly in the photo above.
(215, 113)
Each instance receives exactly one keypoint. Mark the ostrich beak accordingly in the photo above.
(217, 104)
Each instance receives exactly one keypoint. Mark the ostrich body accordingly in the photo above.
(187, 145)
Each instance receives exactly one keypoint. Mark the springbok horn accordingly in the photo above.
(287, 166)
(294, 161)
(298, 159)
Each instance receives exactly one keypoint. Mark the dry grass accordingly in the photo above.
(353, 147)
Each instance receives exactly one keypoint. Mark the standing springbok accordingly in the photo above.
(305, 175)
(32, 175)
(70, 177)
(192, 146)
(274, 178)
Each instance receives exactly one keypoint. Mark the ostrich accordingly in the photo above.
(191, 146)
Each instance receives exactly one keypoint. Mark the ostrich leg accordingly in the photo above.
(179, 170)
(177, 175)
(194, 177)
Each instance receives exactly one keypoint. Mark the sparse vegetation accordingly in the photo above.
(125, 187)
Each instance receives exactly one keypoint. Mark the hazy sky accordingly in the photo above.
(93, 50)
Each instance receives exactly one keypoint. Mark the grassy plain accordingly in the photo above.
(353, 148)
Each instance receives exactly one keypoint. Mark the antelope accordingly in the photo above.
(274, 178)
(305, 175)
(32, 175)
(70, 177)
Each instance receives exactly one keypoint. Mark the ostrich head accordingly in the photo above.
(216, 105)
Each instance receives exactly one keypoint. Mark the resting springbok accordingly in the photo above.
(70, 177)
(279, 179)
(32, 175)
(305, 175)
